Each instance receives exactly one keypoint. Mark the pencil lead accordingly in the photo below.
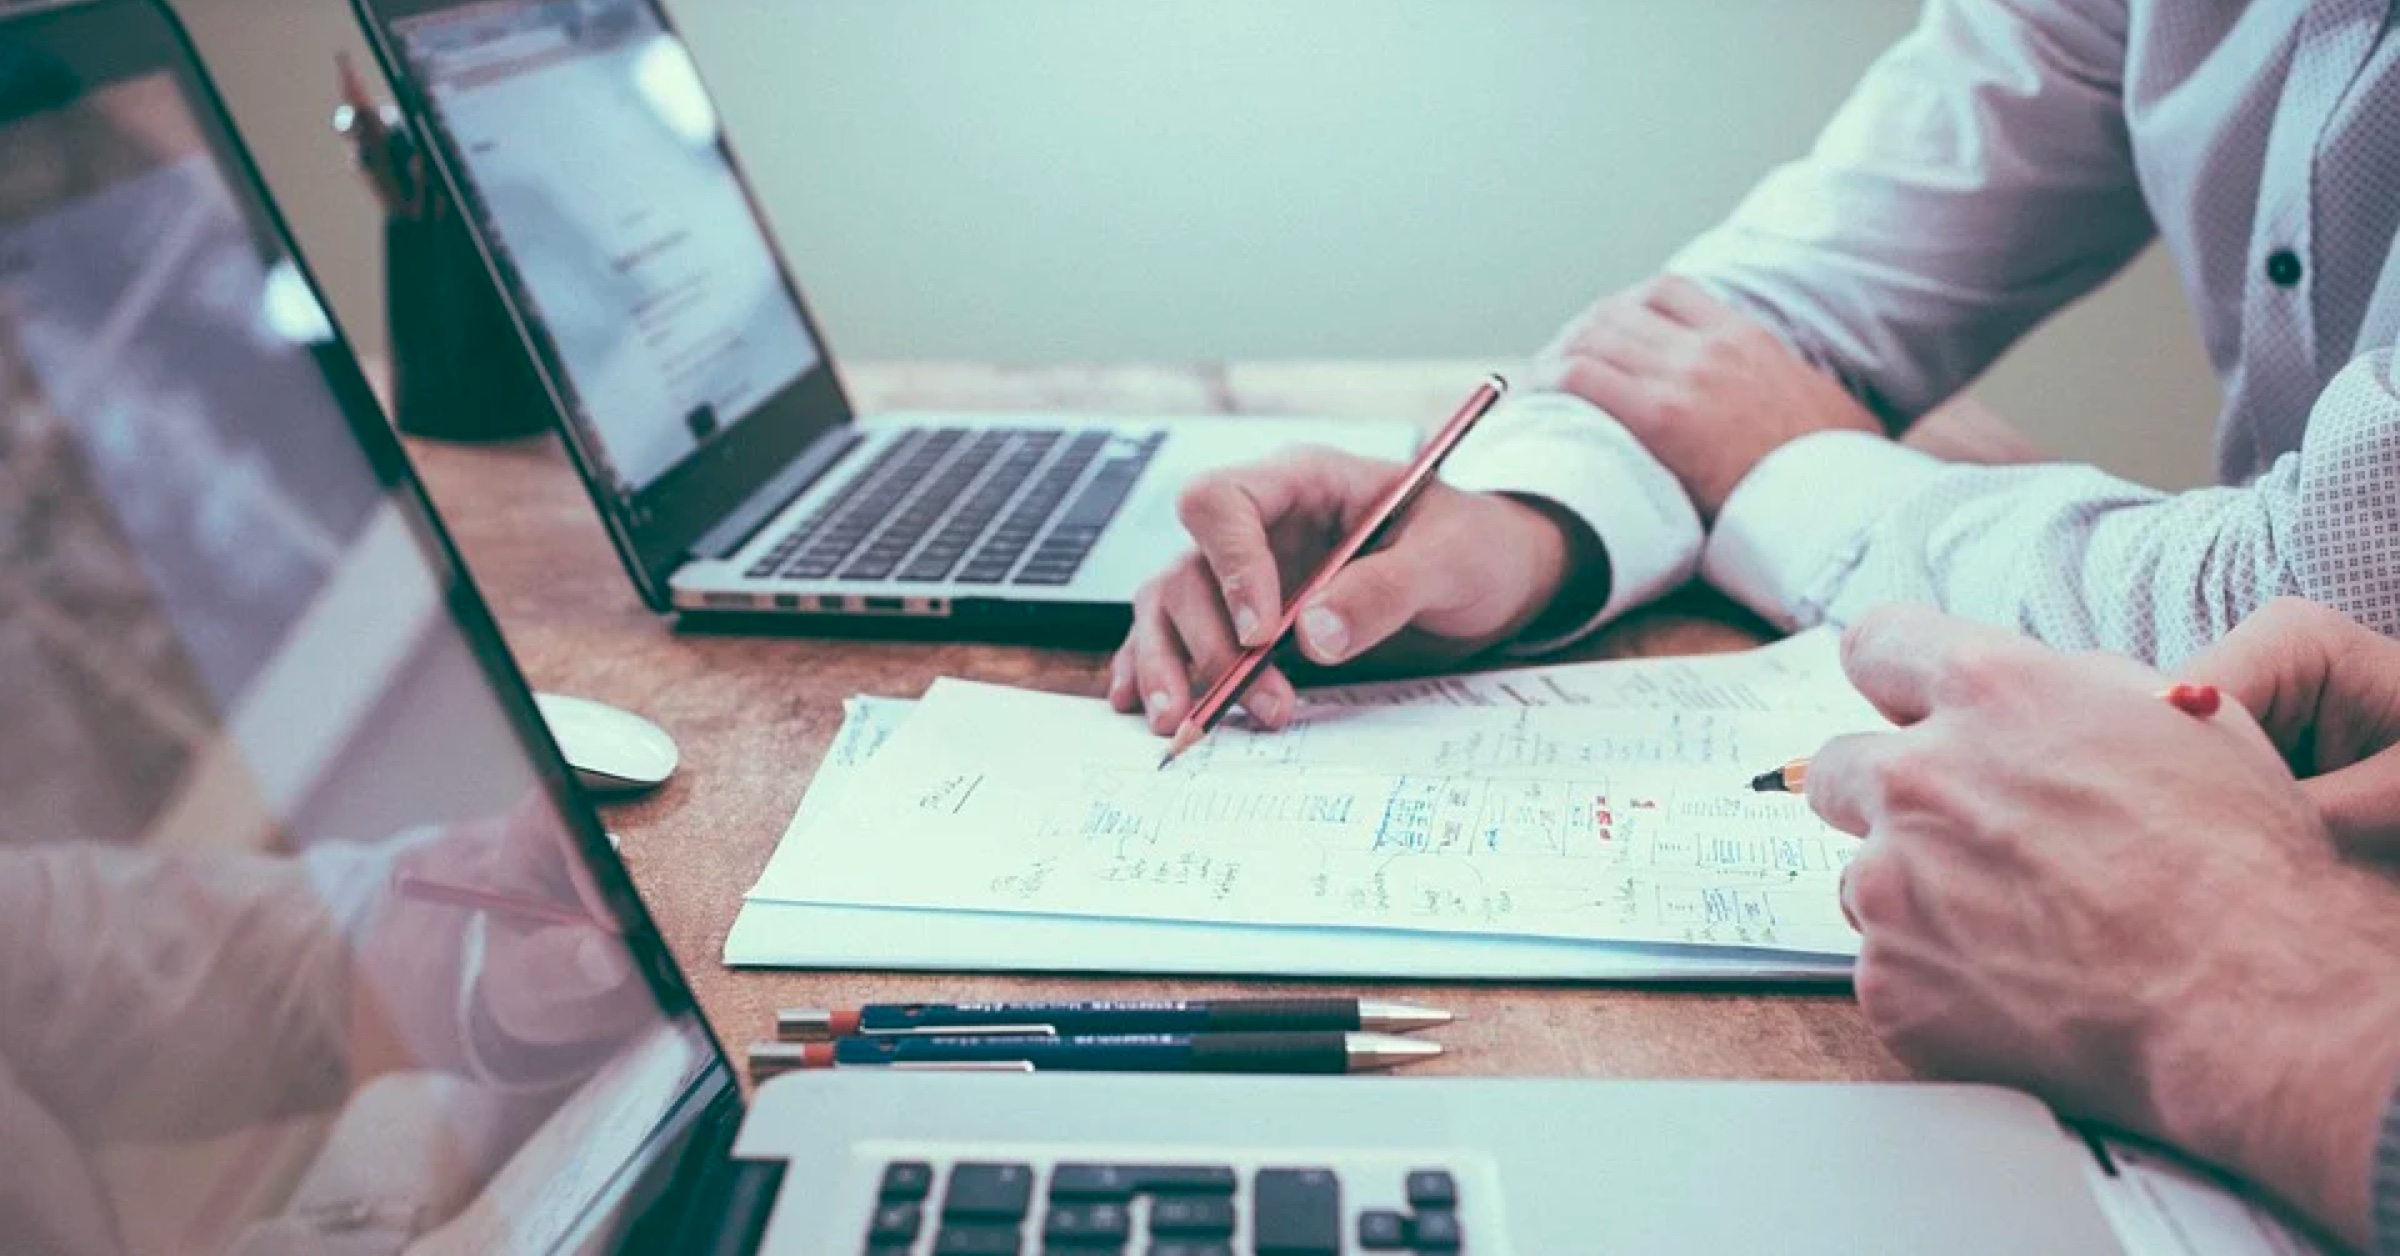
(1769, 783)
(1185, 738)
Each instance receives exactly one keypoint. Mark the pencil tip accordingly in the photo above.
(1768, 783)
(1185, 738)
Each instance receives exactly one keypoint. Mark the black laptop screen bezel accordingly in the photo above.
(107, 41)
(656, 532)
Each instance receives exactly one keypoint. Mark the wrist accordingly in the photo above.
(1570, 568)
(2281, 1064)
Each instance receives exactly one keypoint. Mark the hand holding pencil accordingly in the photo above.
(1388, 512)
(1463, 572)
(2197, 701)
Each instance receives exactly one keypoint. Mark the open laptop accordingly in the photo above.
(700, 399)
(308, 942)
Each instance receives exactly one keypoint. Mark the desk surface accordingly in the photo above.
(754, 715)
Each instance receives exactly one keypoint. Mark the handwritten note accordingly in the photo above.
(1612, 812)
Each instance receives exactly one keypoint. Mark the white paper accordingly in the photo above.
(774, 934)
(770, 934)
(1620, 818)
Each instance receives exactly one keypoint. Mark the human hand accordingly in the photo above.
(1705, 388)
(542, 1001)
(2070, 886)
(2327, 689)
(1464, 571)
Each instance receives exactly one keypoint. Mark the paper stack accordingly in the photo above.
(1584, 822)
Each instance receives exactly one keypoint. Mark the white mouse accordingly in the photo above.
(612, 751)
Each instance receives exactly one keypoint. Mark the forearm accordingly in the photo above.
(1977, 180)
(151, 970)
(1831, 526)
(2287, 1070)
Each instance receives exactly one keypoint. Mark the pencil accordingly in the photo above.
(1379, 520)
(428, 890)
(2197, 701)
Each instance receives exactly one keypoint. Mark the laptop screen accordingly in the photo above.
(303, 945)
(597, 171)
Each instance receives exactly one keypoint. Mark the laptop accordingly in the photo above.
(309, 943)
(696, 391)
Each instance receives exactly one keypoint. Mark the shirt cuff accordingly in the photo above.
(1798, 522)
(1565, 450)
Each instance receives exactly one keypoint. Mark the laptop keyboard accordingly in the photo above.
(995, 1208)
(1016, 506)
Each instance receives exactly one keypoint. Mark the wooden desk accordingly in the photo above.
(754, 715)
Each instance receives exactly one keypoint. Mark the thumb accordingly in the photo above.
(1363, 606)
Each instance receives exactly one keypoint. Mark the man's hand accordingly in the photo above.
(1465, 570)
(2070, 886)
(545, 1003)
(2327, 689)
(1706, 389)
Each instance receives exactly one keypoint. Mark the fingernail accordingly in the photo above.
(1326, 632)
(1156, 702)
(1266, 706)
(1245, 626)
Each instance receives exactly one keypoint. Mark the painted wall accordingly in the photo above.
(1115, 180)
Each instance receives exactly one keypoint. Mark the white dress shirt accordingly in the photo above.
(2005, 158)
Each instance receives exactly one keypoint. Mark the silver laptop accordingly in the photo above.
(698, 394)
(309, 944)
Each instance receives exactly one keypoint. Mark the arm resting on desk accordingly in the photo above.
(1833, 525)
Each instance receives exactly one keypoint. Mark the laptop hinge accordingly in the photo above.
(758, 509)
(729, 1212)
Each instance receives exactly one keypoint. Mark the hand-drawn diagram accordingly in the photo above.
(1623, 824)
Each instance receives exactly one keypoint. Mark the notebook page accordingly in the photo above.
(777, 934)
(1595, 821)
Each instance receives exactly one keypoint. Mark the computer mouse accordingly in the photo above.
(612, 751)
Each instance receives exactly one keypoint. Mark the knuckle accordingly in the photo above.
(1387, 585)
(1887, 1004)
(1204, 499)
(1907, 781)
(1582, 377)
(1978, 674)
(1147, 597)
(1751, 339)
(1878, 889)
(1871, 982)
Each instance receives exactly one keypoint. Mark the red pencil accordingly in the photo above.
(1386, 515)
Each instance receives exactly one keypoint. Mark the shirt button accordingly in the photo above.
(2283, 268)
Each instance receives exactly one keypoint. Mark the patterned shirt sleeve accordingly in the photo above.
(1978, 179)
(2386, 1186)
(1828, 528)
